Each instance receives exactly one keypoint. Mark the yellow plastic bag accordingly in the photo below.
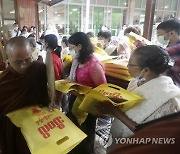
(109, 92)
(77, 112)
(117, 63)
(119, 76)
(47, 132)
(65, 86)
(67, 60)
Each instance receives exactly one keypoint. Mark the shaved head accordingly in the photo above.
(19, 54)
(16, 42)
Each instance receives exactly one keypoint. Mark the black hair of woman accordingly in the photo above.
(65, 40)
(154, 57)
(52, 43)
(80, 38)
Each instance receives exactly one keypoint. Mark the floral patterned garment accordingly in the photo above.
(91, 74)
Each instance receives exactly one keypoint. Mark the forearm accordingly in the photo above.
(125, 119)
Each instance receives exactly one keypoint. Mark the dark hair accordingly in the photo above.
(169, 25)
(87, 48)
(23, 30)
(65, 40)
(52, 41)
(90, 34)
(31, 35)
(15, 23)
(154, 57)
(32, 41)
(25, 27)
(42, 37)
(133, 29)
(105, 34)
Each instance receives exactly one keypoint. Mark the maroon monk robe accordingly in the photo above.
(166, 127)
(17, 91)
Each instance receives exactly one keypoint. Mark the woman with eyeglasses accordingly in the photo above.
(161, 96)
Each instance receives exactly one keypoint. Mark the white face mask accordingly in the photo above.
(162, 40)
(72, 53)
(136, 82)
(101, 42)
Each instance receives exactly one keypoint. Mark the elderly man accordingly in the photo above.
(22, 84)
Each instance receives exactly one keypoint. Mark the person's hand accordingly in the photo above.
(75, 93)
(122, 56)
(52, 105)
(106, 108)
(100, 45)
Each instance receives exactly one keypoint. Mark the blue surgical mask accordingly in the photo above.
(162, 40)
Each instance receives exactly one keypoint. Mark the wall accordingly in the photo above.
(26, 13)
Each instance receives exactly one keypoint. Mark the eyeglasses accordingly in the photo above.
(20, 63)
(163, 34)
(72, 47)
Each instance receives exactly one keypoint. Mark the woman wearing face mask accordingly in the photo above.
(168, 33)
(104, 39)
(51, 43)
(87, 70)
(161, 96)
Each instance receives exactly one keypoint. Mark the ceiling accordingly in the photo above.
(49, 2)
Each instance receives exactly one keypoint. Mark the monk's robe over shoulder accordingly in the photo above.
(17, 91)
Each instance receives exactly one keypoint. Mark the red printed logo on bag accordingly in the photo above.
(37, 112)
(55, 123)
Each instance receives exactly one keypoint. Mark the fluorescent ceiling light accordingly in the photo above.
(74, 9)
(12, 12)
(41, 11)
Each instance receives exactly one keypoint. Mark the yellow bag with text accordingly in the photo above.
(114, 94)
(65, 86)
(46, 132)
(77, 112)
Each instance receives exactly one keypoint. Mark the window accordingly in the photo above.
(117, 19)
(174, 5)
(98, 19)
(167, 5)
(123, 3)
(8, 9)
(102, 2)
(138, 3)
(41, 17)
(92, 1)
(74, 18)
(160, 4)
(144, 4)
(113, 2)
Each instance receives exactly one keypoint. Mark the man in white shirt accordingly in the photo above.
(15, 32)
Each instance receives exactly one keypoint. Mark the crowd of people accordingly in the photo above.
(155, 71)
